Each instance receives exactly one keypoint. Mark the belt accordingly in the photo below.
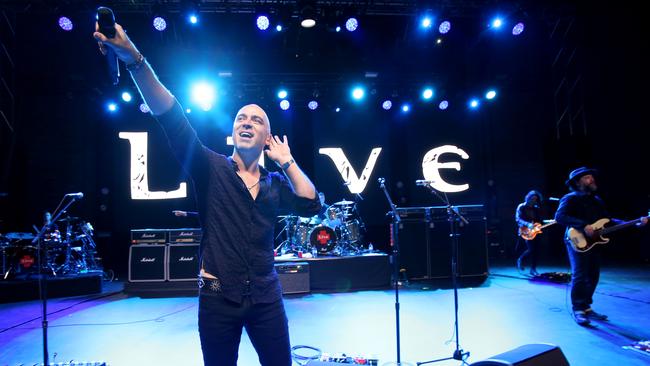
(210, 284)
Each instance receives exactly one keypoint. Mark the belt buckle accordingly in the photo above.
(213, 284)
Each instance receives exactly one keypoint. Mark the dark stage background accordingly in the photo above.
(59, 138)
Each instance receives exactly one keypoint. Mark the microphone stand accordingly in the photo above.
(395, 259)
(42, 282)
(453, 216)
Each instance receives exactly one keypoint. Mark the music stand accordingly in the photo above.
(453, 216)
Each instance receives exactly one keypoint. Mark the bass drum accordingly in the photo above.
(323, 238)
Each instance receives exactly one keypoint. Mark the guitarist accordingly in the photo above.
(579, 209)
(528, 216)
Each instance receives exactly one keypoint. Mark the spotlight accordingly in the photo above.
(203, 94)
(387, 105)
(443, 105)
(193, 18)
(490, 94)
(426, 22)
(284, 104)
(282, 94)
(111, 107)
(338, 28)
(307, 17)
(144, 108)
(337, 109)
(188, 110)
(496, 23)
(438, 40)
(406, 107)
(427, 94)
(65, 23)
(126, 96)
(444, 27)
(159, 24)
(351, 24)
(312, 105)
(358, 93)
(518, 29)
(278, 28)
(474, 103)
(263, 22)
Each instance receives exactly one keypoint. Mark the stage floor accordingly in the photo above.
(504, 312)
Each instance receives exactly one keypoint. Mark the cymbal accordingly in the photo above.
(343, 203)
(68, 219)
(19, 236)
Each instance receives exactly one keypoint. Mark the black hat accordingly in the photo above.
(577, 173)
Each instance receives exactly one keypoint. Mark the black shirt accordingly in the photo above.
(237, 243)
(579, 209)
(526, 214)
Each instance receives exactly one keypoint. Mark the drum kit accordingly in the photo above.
(338, 232)
(72, 252)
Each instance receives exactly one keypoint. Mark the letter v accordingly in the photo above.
(355, 184)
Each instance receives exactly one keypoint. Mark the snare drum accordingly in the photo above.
(323, 238)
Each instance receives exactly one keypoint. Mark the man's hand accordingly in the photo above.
(121, 44)
(279, 150)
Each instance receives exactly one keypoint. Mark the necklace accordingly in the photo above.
(248, 187)
(253, 186)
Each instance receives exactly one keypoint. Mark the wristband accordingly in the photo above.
(137, 64)
(286, 165)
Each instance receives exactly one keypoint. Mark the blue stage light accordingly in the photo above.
(351, 24)
(263, 22)
(358, 93)
(491, 94)
(312, 105)
(159, 23)
(444, 27)
(387, 105)
(443, 105)
(126, 96)
(284, 104)
(518, 29)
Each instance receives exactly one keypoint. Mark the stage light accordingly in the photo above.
(387, 105)
(65, 23)
(474, 103)
(518, 29)
(312, 105)
(159, 23)
(284, 104)
(278, 28)
(496, 23)
(111, 107)
(427, 94)
(438, 40)
(491, 94)
(282, 94)
(426, 22)
(188, 110)
(444, 27)
(406, 107)
(193, 18)
(203, 94)
(307, 17)
(337, 109)
(358, 93)
(351, 24)
(443, 105)
(126, 96)
(144, 108)
(263, 22)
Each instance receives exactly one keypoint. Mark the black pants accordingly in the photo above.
(585, 273)
(220, 327)
(532, 252)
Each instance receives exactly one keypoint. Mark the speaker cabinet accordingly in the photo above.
(183, 262)
(294, 277)
(538, 354)
(147, 263)
(426, 249)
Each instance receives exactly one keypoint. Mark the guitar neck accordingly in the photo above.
(619, 226)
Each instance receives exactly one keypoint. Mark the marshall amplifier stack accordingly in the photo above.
(158, 255)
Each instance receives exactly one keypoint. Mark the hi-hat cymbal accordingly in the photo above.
(343, 203)
(19, 236)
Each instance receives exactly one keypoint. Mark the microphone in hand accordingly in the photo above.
(106, 23)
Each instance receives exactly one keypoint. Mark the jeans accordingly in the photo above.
(585, 268)
(220, 328)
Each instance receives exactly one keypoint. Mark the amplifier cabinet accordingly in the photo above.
(294, 277)
(149, 236)
(185, 236)
(147, 263)
(183, 262)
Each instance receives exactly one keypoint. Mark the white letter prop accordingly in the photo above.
(139, 179)
(356, 184)
(431, 167)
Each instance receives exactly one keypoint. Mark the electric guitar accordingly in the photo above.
(529, 234)
(582, 243)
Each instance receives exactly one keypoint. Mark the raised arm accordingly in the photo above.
(280, 153)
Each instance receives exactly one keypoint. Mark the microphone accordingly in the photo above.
(423, 182)
(78, 195)
(106, 22)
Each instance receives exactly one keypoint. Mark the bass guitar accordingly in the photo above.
(529, 234)
(582, 243)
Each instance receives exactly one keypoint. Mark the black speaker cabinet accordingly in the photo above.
(426, 248)
(540, 354)
(183, 261)
(294, 277)
(147, 263)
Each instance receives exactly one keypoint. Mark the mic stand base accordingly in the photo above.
(458, 355)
